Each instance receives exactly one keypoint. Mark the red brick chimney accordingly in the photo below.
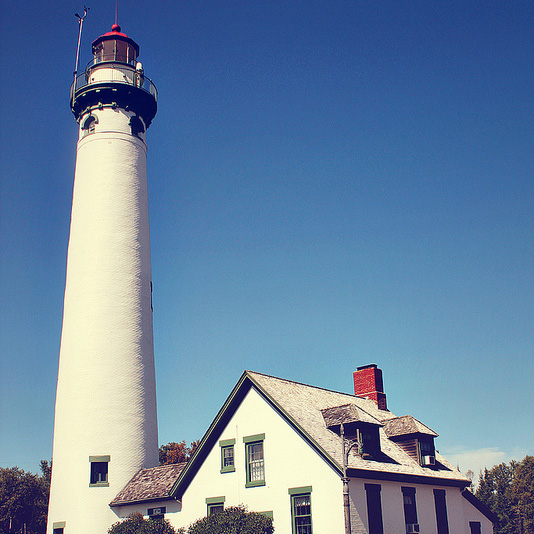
(368, 384)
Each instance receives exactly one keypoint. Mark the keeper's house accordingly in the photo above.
(277, 447)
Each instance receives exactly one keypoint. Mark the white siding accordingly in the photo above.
(459, 510)
(106, 396)
(289, 463)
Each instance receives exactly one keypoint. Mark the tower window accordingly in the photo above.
(99, 470)
(58, 527)
(137, 126)
(89, 124)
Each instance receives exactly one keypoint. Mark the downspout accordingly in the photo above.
(345, 480)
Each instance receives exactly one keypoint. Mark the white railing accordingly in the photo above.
(115, 74)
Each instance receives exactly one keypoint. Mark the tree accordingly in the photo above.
(136, 524)
(23, 501)
(232, 520)
(175, 453)
(508, 491)
(521, 493)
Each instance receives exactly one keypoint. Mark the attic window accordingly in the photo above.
(358, 427)
(427, 452)
(369, 441)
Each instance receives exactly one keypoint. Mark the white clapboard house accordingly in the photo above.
(276, 446)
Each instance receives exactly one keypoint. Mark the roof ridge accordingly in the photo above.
(304, 384)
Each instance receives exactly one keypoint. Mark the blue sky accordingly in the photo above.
(331, 184)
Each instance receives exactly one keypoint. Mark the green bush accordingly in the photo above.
(232, 520)
(136, 524)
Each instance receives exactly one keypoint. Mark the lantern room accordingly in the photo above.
(115, 47)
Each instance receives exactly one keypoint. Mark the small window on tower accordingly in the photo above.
(99, 470)
(89, 124)
(137, 126)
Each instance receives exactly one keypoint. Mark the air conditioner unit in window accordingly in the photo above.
(429, 460)
(412, 527)
(157, 511)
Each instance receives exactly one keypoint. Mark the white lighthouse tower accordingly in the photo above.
(105, 426)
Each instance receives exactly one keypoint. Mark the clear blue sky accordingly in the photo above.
(332, 183)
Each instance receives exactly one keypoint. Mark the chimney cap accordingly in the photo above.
(368, 366)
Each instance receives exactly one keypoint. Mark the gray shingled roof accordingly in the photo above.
(150, 484)
(307, 408)
(405, 425)
(303, 405)
(346, 413)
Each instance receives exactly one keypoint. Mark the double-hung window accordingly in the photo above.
(440, 502)
(301, 517)
(255, 463)
(410, 510)
(374, 508)
(227, 455)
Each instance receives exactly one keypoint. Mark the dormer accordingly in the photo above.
(415, 438)
(358, 427)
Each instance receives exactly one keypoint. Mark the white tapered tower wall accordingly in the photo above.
(106, 396)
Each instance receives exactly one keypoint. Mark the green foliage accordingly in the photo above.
(232, 520)
(175, 453)
(508, 491)
(522, 495)
(136, 524)
(23, 501)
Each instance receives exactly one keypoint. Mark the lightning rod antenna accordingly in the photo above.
(80, 24)
(116, 9)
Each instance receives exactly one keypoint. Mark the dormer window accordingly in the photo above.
(427, 451)
(415, 438)
(369, 440)
(358, 427)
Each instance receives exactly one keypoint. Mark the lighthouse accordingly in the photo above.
(105, 426)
